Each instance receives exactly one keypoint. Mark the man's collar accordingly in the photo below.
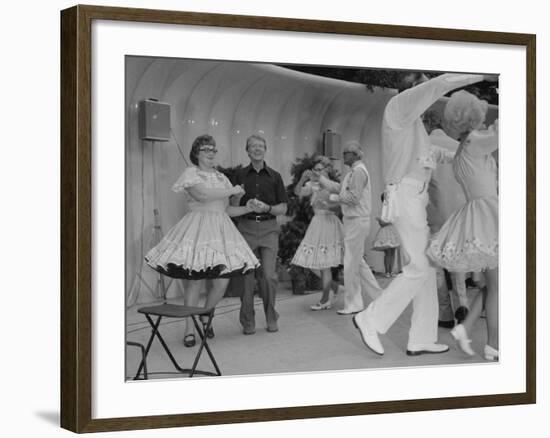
(268, 169)
(356, 163)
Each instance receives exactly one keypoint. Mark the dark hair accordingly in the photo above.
(201, 140)
(406, 79)
(256, 137)
(431, 120)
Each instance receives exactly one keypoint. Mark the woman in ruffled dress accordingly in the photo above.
(204, 244)
(468, 241)
(387, 240)
(322, 247)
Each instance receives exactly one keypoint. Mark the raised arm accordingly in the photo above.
(331, 186)
(302, 188)
(406, 107)
(483, 142)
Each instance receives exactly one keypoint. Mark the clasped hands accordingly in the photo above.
(238, 190)
(257, 206)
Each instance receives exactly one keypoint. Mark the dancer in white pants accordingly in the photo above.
(354, 195)
(407, 163)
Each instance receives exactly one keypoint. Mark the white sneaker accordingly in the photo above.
(459, 333)
(490, 353)
(321, 306)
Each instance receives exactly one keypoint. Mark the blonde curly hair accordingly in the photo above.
(464, 112)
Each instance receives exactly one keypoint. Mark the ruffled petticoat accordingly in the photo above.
(386, 238)
(323, 243)
(468, 241)
(203, 244)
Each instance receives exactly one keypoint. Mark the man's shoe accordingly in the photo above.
(347, 312)
(418, 349)
(368, 333)
(272, 327)
(249, 331)
(446, 324)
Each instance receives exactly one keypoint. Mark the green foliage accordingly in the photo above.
(373, 78)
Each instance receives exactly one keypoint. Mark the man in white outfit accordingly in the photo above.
(354, 195)
(407, 164)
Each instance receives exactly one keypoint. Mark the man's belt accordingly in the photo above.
(259, 217)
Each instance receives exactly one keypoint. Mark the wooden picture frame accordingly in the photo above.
(76, 217)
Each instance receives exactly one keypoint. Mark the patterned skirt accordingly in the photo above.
(386, 238)
(468, 241)
(323, 243)
(203, 244)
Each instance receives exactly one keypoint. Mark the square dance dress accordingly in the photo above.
(204, 243)
(323, 244)
(468, 240)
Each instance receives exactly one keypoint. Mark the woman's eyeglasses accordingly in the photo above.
(208, 149)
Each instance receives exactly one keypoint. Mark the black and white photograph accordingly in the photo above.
(275, 219)
(298, 218)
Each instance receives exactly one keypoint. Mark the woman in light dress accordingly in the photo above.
(387, 240)
(468, 241)
(204, 244)
(322, 247)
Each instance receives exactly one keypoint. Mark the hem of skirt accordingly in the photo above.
(175, 271)
(316, 266)
(453, 267)
(382, 248)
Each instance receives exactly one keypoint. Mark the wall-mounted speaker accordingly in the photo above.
(332, 144)
(154, 120)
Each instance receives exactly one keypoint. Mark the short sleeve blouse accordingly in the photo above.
(193, 176)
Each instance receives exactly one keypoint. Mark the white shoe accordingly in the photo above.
(418, 349)
(347, 311)
(369, 335)
(459, 333)
(321, 306)
(490, 353)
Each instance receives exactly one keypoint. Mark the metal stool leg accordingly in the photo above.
(155, 332)
(143, 363)
(204, 344)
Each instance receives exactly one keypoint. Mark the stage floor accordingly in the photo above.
(307, 341)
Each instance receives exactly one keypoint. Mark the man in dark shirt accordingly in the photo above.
(265, 193)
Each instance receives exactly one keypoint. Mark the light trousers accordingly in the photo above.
(417, 283)
(358, 277)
